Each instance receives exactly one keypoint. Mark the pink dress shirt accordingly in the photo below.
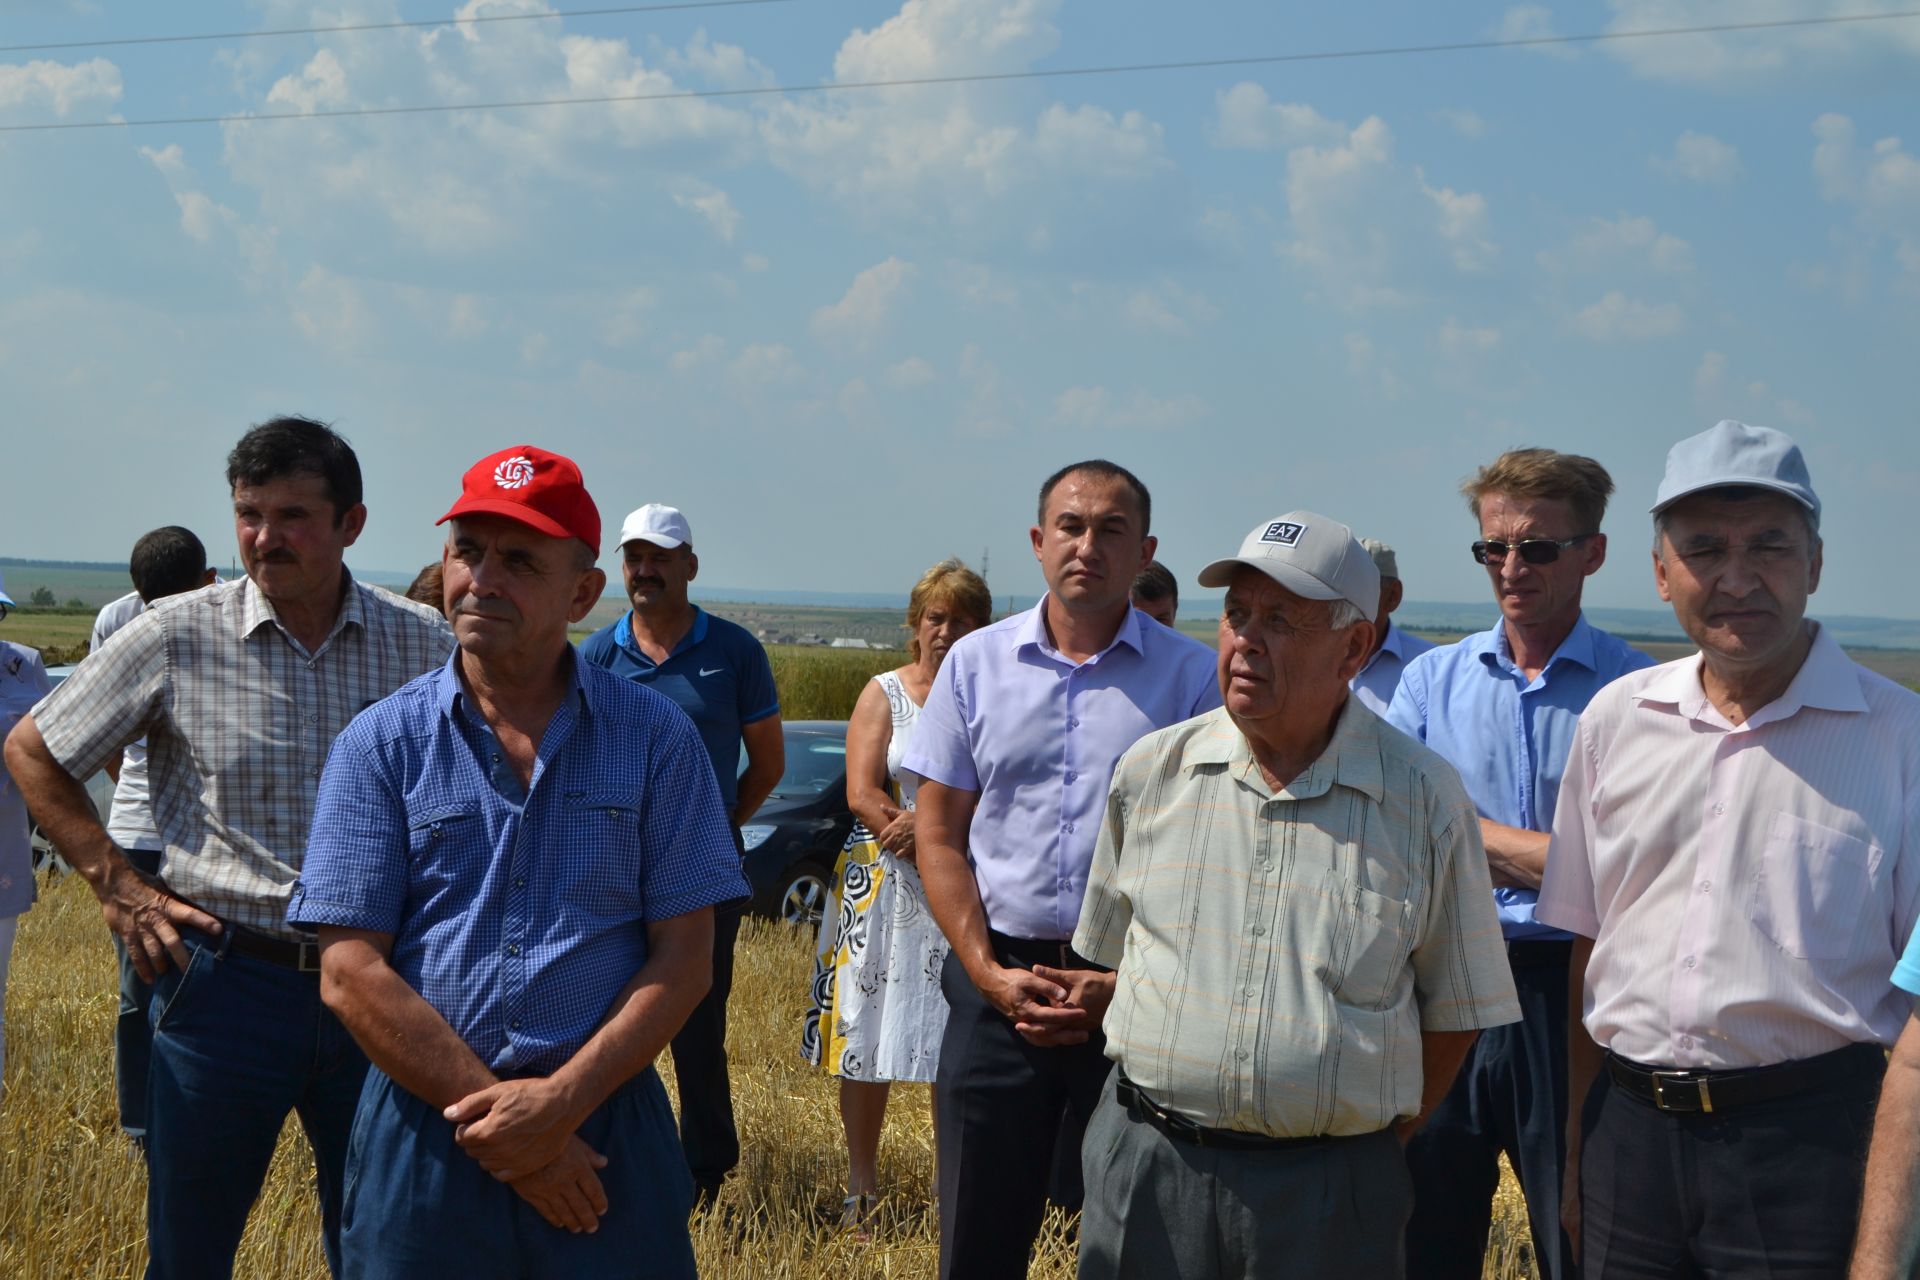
(1748, 888)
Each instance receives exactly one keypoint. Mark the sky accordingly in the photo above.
(849, 332)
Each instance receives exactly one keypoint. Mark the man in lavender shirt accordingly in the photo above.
(1017, 744)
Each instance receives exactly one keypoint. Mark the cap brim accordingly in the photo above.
(514, 511)
(1298, 581)
(1733, 482)
(665, 542)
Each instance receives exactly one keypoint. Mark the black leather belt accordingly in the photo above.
(303, 956)
(1140, 1107)
(1712, 1092)
(1027, 952)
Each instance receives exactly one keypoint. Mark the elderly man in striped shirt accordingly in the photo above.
(1296, 903)
(1737, 849)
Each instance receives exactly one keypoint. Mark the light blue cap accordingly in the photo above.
(4, 597)
(1733, 453)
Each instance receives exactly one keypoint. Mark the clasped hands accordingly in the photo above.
(522, 1132)
(1050, 1007)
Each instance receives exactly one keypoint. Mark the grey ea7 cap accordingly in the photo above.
(1733, 453)
(1308, 554)
(1383, 557)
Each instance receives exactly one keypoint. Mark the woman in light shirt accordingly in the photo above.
(876, 1013)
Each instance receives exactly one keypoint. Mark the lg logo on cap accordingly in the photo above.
(1284, 532)
(515, 473)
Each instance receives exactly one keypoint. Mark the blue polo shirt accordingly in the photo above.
(518, 912)
(1508, 736)
(718, 674)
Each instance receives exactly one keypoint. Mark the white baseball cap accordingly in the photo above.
(4, 597)
(1308, 554)
(663, 526)
(1732, 453)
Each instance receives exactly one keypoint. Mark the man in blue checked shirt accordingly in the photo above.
(1501, 707)
(513, 869)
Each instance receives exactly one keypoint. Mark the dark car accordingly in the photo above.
(99, 791)
(795, 838)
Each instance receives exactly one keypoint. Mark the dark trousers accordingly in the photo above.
(238, 1043)
(1158, 1209)
(707, 1134)
(1771, 1189)
(1003, 1105)
(132, 1031)
(417, 1205)
(1510, 1096)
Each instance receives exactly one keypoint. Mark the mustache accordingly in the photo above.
(482, 609)
(661, 583)
(278, 556)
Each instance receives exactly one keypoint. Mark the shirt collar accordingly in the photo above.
(450, 693)
(1492, 646)
(1351, 757)
(1827, 681)
(1033, 631)
(696, 634)
(1393, 646)
(257, 611)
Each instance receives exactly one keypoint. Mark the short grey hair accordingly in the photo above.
(1343, 613)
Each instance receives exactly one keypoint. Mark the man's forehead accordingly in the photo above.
(1253, 588)
(293, 487)
(1083, 493)
(1709, 516)
(1505, 509)
(499, 531)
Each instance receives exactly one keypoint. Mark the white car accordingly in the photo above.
(99, 791)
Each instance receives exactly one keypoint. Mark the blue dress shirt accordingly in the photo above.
(718, 674)
(1507, 735)
(517, 912)
(1014, 719)
(1377, 681)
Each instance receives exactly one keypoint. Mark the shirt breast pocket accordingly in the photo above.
(1811, 887)
(439, 841)
(600, 854)
(1369, 944)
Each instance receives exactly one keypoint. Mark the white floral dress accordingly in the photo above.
(876, 1011)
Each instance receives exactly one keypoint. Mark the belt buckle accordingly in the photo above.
(309, 961)
(1701, 1092)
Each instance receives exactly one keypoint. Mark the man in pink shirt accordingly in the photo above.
(1737, 849)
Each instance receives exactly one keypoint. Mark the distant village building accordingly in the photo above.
(844, 642)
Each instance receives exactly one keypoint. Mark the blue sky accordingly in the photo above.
(849, 333)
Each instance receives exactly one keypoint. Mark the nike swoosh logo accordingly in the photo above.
(716, 671)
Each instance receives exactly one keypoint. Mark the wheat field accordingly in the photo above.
(72, 1197)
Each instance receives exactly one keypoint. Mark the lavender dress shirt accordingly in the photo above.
(1037, 737)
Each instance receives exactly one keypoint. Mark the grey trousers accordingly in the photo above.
(1157, 1209)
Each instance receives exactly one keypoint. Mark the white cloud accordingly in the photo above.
(467, 316)
(1366, 364)
(328, 309)
(1167, 308)
(1096, 408)
(1740, 60)
(706, 351)
(726, 66)
(322, 83)
(1357, 217)
(1881, 184)
(712, 204)
(966, 154)
(1458, 340)
(1464, 121)
(1618, 318)
(755, 262)
(201, 217)
(628, 317)
(1605, 242)
(1714, 397)
(910, 374)
(761, 363)
(1245, 119)
(1701, 158)
(860, 317)
(40, 83)
(1532, 22)
(1709, 376)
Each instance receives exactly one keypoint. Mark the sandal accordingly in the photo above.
(856, 1214)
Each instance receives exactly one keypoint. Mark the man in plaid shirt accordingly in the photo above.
(239, 690)
(513, 871)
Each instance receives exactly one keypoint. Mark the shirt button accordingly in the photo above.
(1073, 722)
(514, 1025)
(1259, 929)
(1688, 962)
(1251, 991)
(520, 882)
(1071, 775)
(1241, 1055)
(1067, 827)
(1719, 809)
(513, 948)
(1686, 1042)
(1706, 885)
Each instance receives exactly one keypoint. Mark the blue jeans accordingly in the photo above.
(418, 1205)
(238, 1043)
(132, 1030)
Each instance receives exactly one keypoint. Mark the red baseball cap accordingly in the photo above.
(541, 490)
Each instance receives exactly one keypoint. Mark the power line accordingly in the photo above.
(991, 77)
(383, 26)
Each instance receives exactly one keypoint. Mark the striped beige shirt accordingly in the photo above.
(1280, 953)
(238, 719)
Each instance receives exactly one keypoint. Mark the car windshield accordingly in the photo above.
(816, 763)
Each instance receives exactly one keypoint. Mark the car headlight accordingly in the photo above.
(755, 834)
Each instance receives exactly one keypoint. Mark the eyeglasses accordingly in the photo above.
(1532, 550)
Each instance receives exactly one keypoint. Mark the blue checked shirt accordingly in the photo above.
(1509, 736)
(518, 913)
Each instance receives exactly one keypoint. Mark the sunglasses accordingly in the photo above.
(1533, 550)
